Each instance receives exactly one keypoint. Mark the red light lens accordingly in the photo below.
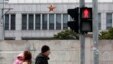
(86, 13)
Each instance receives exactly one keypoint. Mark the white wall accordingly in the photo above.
(62, 51)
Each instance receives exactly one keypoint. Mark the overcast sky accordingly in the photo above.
(51, 1)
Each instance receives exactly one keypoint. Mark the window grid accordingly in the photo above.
(47, 21)
(109, 20)
(37, 22)
(44, 21)
(65, 19)
(24, 22)
(13, 22)
(99, 21)
(58, 21)
(31, 20)
(6, 21)
(10, 21)
(51, 22)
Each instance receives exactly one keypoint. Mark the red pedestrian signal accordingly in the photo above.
(85, 19)
(82, 22)
(86, 13)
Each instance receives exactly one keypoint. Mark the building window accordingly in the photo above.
(109, 20)
(30, 38)
(6, 0)
(31, 21)
(9, 38)
(99, 20)
(10, 24)
(58, 21)
(65, 19)
(37, 22)
(13, 22)
(24, 21)
(6, 21)
(44, 21)
(51, 21)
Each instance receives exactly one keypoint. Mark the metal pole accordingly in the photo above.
(1, 20)
(95, 31)
(82, 45)
(82, 3)
(82, 37)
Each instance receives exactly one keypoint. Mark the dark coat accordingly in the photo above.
(41, 59)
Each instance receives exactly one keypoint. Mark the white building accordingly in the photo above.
(35, 20)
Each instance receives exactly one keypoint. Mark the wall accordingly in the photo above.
(62, 51)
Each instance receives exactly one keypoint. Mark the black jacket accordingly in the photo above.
(41, 59)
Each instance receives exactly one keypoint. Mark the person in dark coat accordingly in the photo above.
(43, 57)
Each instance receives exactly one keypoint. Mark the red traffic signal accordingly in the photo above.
(85, 19)
(86, 13)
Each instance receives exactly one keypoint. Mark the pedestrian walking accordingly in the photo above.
(43, 57)
(19, 59)
(27, 57)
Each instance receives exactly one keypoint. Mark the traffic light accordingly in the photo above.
(73, 26)
(85, 13)
(85, 19)
(83, 25)
(74, 13)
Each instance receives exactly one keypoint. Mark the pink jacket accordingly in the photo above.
(17, 60)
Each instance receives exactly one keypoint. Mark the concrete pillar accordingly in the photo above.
(18, 26)
(54, 21)
(47, 21)
(112, 19)
(41, 21)
(34, 22)
(103, 21)
(18, 21)
(61, 21)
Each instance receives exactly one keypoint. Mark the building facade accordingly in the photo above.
(23, 21)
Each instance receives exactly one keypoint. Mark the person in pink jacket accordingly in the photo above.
(19, 59)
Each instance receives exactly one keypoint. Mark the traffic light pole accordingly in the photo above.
(82, 37)
(95, 32)
(2, 20)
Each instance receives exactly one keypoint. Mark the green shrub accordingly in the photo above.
(106, 34)
(66, 34)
